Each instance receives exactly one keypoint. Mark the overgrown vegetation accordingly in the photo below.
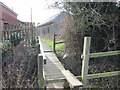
(18, 68)
(19, 60)
(101, 21)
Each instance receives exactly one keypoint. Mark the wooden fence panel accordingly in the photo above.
(25, 31)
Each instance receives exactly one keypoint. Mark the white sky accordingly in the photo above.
(40, 10)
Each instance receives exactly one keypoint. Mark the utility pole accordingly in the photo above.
(31, 14)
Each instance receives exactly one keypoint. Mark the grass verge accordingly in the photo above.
(50, 43)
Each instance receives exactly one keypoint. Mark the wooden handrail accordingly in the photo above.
(41, 74)
(84, 76)
(41, 62)
(90, 76)
(102, 54)
(85, 62)
(41, 50)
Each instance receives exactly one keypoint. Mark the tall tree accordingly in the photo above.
(100, 20)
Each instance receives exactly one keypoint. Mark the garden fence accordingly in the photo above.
(19, 31)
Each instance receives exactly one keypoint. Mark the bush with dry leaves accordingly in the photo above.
(19, 66)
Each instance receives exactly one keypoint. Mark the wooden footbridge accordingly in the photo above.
(51, 73)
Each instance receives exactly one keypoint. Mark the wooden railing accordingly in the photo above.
(70, 79)
(85, 62)
(55, 42)
(41, 61)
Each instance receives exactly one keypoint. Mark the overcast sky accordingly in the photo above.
(40, 10)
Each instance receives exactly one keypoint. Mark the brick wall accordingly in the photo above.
(7, 16)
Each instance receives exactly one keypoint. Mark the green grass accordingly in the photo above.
(50, 43)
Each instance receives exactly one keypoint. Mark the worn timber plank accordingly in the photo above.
(72, 80)
(53, 69)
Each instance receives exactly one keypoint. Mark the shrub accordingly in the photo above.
(6, 43)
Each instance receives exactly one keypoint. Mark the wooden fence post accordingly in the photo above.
(38, 49)
(37, 40)
(85, 61)
(41, 78)
(54, 39)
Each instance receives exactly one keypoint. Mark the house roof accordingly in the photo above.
(59, 17)
(2, 4)
(54, 19)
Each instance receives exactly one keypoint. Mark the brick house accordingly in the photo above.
(7, 16)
